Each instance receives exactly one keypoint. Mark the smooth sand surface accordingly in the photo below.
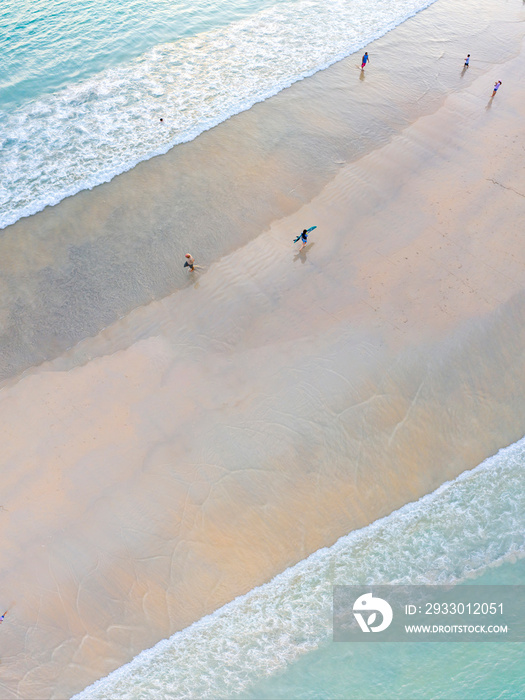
(210, 439)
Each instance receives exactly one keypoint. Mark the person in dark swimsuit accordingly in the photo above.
(303, 239)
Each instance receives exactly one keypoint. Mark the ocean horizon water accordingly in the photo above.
(82, 96)
(275, 641)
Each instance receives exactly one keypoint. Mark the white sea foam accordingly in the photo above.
(89, 132)
(474, 522)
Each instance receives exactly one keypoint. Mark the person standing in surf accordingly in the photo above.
(190, 262)
(365, 60)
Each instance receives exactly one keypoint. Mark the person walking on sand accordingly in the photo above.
(496, 87)
(190, 262)
(365, 60)
(467, 61)
(304, 239)
(3, 616)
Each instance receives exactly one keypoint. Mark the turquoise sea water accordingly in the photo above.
(275, 642)
(84, 85)
(450, 671)
(49, 45)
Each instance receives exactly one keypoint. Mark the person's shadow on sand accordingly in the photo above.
(489, 103)
(362, 73)
(301, 255)
(465, 69)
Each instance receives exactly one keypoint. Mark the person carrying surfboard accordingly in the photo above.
(365, 60)
(303, 237)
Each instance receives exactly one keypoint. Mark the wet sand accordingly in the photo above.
(73, 269)
(211, 438)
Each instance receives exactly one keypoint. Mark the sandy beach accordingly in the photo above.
(236, 419)
(77, 267)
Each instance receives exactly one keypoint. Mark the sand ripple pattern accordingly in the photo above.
(464, 527)
(89, 132)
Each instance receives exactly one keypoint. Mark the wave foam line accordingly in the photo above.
(92, 131)
(455, 533)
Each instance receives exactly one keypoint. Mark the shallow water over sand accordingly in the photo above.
(203, 63)
(75, 268)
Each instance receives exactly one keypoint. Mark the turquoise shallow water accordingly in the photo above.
(85, 85)
(275, 642)
(467, 671)
(49, 45)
